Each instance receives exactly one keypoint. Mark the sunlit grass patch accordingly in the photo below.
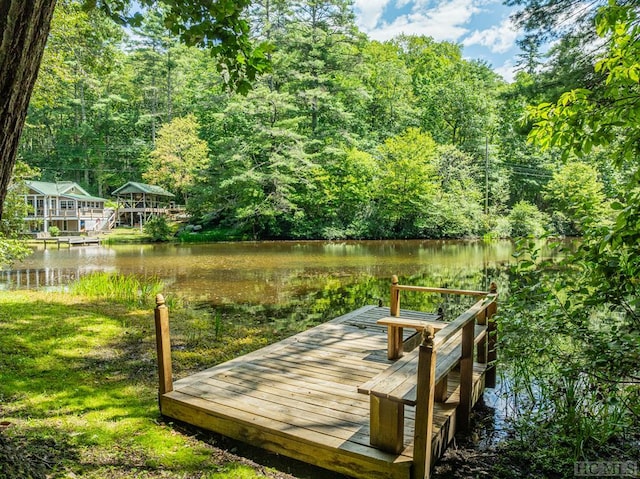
(78, 388)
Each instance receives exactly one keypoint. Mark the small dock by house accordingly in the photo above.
(376, 393)
(70, 240)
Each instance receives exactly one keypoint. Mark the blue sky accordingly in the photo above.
(483, 27)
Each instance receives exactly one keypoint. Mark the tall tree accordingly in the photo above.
(77, 109)
(155, 69)
(407, 185)
(179, 158)
(24, 27)
(391, 108)
(321, 48)
(259, 166)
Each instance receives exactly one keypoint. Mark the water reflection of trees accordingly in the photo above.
(335, 297)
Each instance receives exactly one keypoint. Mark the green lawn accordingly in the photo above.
(78, 391)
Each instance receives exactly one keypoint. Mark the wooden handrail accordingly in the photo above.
(452, 328)
(428, 390)
(426, 289)
(394, 307)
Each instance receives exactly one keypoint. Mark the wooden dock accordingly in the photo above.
(71, 240)
(319, 396)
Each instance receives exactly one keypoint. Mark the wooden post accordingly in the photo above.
(386, 418)
(394, 309)
(163, 346)
(425, 390)
(442, 390)
(463, 411)
(394, 342)
(481, 349)
(492, 339)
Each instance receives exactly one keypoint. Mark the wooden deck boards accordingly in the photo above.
(299, 397)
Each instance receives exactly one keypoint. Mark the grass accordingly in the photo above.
(123, 235)
(118, 287)
(78, 393)
(210, 236)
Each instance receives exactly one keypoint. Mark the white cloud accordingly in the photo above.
(369, 12)
(444, 22)
(507, 71)
(499, 38)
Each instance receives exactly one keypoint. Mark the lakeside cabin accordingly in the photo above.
(67, 206)
(140, 202)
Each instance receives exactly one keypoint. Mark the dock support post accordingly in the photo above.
(394, 335)
(394, 309)
(463, 411)
(163, 346)
(492, 339)
(386, 419)
(425, 391)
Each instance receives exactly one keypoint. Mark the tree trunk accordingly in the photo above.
(24, 28)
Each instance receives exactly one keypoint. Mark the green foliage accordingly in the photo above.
(459, 104)
(179, 157)
(526, 220)
(158, 229)
(54, 230)
(12, 250)
(577, 195)
(218, 234)
(569, 335)
(576, 321)
(583, 118)
(405, 188)
(221, 27)
(15, 208)
(307, 152)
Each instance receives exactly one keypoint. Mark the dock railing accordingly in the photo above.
(486, 349)
(420, 378)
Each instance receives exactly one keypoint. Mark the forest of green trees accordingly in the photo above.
(344, 137)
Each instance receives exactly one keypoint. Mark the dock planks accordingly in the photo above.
(71, 240)
(299, 397)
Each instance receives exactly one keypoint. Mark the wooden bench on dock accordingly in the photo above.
(420, 378)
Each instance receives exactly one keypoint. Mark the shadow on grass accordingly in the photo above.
(260, 458)
(78, 383)
(34, 454)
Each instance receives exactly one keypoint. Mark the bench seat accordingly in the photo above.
(398, 381)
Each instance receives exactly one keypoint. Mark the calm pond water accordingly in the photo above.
(269, 272)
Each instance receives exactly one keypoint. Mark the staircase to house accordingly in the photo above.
(108, 221)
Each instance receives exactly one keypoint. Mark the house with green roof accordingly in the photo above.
(140, 202)
(67, 206)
